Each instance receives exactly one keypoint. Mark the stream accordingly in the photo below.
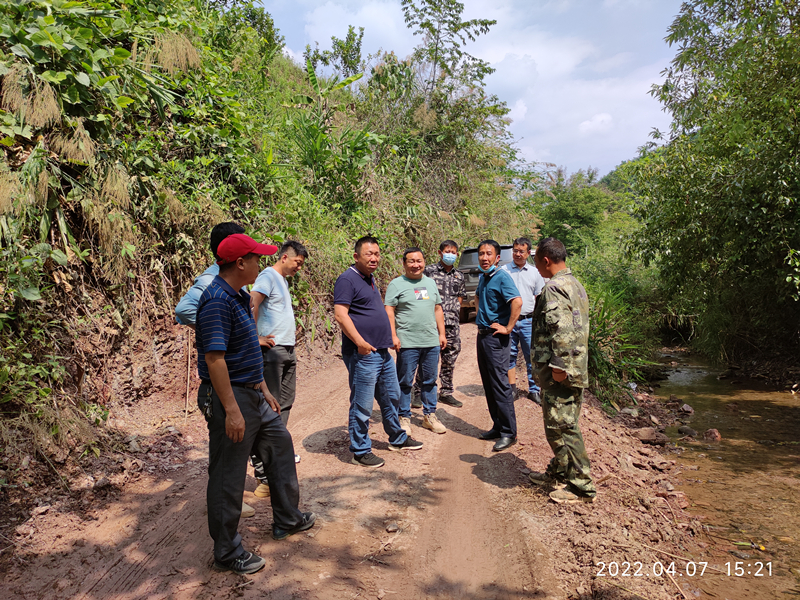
(745, 487)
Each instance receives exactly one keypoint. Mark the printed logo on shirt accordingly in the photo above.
(421, 294)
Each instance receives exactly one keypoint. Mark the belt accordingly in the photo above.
(249, 386)
(485, 331)
(288, 348)
(528, 316)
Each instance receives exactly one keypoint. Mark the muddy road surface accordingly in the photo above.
(453, 520)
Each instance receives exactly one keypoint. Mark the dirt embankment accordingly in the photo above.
(453, 520)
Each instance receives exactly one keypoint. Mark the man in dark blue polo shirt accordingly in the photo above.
(499, 303)
(240, 412)
(366, 339)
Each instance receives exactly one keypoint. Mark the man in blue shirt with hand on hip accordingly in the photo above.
(499, 304)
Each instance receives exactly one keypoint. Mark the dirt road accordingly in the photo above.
(453, 520)
(453, 540)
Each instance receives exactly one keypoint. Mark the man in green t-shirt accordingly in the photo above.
(415, 313)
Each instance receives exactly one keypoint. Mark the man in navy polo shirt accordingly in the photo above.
(366, 338)
(240, 412)
(499, 304)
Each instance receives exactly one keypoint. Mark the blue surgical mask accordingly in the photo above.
(487, 271)
(449, 259)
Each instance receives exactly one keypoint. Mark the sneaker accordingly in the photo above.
(564, 496)
(296, 458)
(247, 511)
(262, 491)
(308, 521)
(409, 444)
(416, 401)
(432, 422)
(405, 424)
(247, 564)
(535, 397)
(368, 460)
(450, 401)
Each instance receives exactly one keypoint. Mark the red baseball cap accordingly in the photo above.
(239, 245)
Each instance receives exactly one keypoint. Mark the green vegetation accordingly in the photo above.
(128, 129)
(594, 220)
(719, 199)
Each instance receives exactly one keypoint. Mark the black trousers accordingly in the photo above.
(493, 357)
(264, 434)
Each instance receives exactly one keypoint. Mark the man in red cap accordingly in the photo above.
(240, 412)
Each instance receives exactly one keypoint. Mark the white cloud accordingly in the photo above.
(518, 111)
(599, 123)
(575, 73)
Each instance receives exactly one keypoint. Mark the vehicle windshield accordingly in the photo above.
(470, 258)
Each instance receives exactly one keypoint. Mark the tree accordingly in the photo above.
(719, 200)
(344, 56)
(439, 21)
(572, 209)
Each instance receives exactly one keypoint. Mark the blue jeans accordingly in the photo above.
(427, 359)
(372, 376)
(521, 340)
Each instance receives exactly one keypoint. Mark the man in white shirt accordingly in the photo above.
(274, 316)
(529, 283)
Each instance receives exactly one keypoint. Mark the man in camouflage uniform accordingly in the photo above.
(450, 282)
(560, 357)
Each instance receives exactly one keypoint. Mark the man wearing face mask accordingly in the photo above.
(450, 283)
(499, 303)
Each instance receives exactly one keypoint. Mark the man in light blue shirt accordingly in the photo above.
(186, 310)
(274, 315)
(529, 283)
(272, 308)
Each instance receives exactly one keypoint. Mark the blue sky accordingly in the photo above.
(575, 73)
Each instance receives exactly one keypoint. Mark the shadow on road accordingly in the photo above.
(504, 469)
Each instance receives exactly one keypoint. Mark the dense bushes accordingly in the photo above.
(719, 200)
(128, 129)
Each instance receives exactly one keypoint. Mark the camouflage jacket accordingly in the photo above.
(561, 331)
(451, 288)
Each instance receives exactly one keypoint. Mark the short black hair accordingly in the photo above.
(221, 231)
(411, 250)
(553, 249)
(447, 244)
(523, 241)
(293, 248)
(491, 243)
(225, 267)
(367, 239)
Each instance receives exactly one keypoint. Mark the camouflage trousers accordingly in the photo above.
(447, 362)
(561, 409)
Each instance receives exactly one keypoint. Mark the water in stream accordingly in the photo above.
(746, 486)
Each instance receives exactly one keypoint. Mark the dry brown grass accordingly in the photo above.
(173, 52)
(9, 188)
(424, 118)
(113, 229)
(177, 212)
(35, 102)
(114, 190)
(76, 145)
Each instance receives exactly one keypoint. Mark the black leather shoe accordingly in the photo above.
(490, 435)
(503, 443)
(535, 397)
